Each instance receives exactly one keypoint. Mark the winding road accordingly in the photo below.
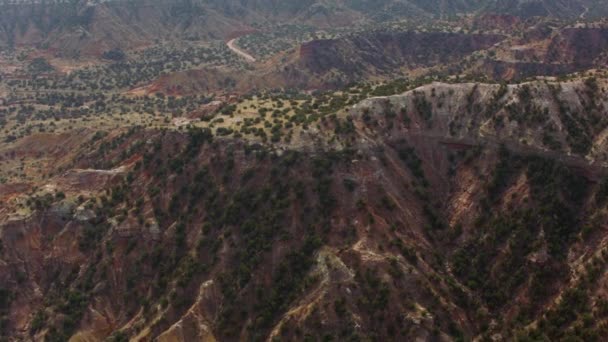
(232, 46)
(584, 14)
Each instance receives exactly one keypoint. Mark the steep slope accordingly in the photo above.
(581, 47)
(79, 28)
(541, 50)
(448, 212)
(86, 28)
(387, 53)
(333, 63)
(545, 50)
(549, 8)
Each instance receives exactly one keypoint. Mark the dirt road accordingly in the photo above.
(584, 14)
(232, 46)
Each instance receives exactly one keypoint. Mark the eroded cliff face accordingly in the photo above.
(387, 52)
(511, 50)
(448, 212)
(583, 47)
(544, 50)
(82, 28)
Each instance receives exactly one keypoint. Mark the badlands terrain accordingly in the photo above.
(317, 170)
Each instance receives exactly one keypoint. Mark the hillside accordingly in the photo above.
(85, 28)
(551, 8)
(180, 48)
(538, 51)
(314, 170)
(439, 213)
